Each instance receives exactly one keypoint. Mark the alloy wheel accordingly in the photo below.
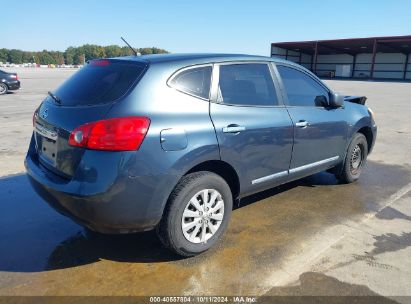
(3, 88)
(202, 216)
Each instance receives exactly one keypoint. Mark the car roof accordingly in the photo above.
(199, 58)
(180, 60)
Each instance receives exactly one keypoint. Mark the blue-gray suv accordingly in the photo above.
(170, 141)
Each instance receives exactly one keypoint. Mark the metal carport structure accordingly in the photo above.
(374, 57)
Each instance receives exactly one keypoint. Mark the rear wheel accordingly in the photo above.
(355, 159)
(197, 213)
(3, 88)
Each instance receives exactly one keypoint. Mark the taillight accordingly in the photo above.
(100, 62)
(114, 134)
(14, 76)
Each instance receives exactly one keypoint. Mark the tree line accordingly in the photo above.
(72, 55)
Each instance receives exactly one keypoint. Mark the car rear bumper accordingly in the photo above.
(128, 204)
(13, 85)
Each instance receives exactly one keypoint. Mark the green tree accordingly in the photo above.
(27, 57)
(112, 51)
(145, 51)
(46, 58)
(125, 51)
(4, 55)
(69, 55)
(58, 57)
(78, 58)
(16, 56)
(72, 55)
(92, 51)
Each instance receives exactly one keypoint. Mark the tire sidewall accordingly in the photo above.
(5, 86)
(206, 181)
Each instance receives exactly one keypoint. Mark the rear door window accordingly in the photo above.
(246, 84)
(194, 81)
(100, 82)
(302, 90)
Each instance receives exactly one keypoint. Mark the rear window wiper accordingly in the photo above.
(55, 98)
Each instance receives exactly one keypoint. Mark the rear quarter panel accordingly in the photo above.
(168, 109)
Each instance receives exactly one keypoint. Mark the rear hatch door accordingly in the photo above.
(85, 97)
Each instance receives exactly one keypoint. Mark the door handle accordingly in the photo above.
(233, 129)
(302, 124)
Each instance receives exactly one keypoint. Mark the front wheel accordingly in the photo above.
(197, 213)
(355, 159)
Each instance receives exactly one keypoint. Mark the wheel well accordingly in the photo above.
(223, 169)
(366, 131)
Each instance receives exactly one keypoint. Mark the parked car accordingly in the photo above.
(8, 82)
(171, 141)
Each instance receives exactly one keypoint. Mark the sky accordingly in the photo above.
(182, 26)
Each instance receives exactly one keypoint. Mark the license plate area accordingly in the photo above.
(46, 142)
(48, 151)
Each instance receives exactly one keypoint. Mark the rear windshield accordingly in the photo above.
(98, 82)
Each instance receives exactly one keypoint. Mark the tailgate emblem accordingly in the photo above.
(45, 113)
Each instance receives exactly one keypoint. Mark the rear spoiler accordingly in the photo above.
(356, 99)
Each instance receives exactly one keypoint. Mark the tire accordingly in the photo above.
(174, 229)
(3, 88)
(355, 159)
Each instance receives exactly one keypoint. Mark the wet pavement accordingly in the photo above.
(44, 253)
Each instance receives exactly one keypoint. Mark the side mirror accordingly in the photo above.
(336, 100)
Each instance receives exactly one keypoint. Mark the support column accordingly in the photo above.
(354, 62)
(315, 58)
(311, 62)
(286, 54)
(406, 66)
(374, 52)
(299, 58)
